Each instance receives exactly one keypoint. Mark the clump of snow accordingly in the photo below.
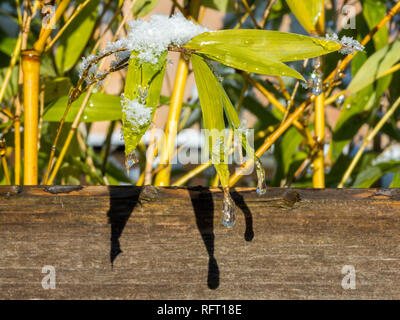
(85, 64)
(349, 45)
(136, 112)
(151, 38)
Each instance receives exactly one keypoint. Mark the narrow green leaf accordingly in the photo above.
(307, 12)
(375, 66)
(260, 51)
(75, 37)
(396, 180)
(211, 102)
(220, 5)
(143, 82)
(143, 7)
(100, 107)
(367, 177)
(282, 46)
(56, 88)
(374, 11)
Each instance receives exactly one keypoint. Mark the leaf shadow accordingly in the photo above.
(203, 208)
(122, 203)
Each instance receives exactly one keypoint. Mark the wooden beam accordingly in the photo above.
(169, 243)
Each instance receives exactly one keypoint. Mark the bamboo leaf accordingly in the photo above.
(211, 102)
(100, 107)
(143, 82)
(143, 7)
(75, 37)
(375, 66)
(220, 5)
(374, 11)
(367, 177)
(260, 51)
(307, 12)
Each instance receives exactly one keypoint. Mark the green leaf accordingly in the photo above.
(220, 5)
(396, 180)
(260, 51)
(100, 107)
(374, 11)
(285, 151)
(307, 12)
(375, 66)
(143, 7)
(352, 117)
(367, 177)
(142, 76)
(212, 105)
(75, 37)
(56, 88)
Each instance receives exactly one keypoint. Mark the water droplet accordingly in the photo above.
(261, 185)
(229, 219)
(130, 160)
(340, 100)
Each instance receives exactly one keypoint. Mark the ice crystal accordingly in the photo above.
(349, 45)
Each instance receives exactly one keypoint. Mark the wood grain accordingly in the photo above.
(169, 243)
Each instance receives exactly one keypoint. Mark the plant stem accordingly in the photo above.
(66, 24)
(368, 140)
(163, 176)
(366, 39)
(3, 150)
(69, 137)
(46, 32)
(303, 130)
(318, 177)
(14, 58)
(270, 140)
(30, 67)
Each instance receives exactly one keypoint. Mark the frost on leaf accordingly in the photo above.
(349, 45)
(150, 39)
(140, 100)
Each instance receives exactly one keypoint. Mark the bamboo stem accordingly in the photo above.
(69, 137)
(368, 140)
(270, 140)
(46, 32)
(31, 68)
(14, 58)
(3, 150)
(318, 176)
(303, 130)
(66, 24)
(366, 39)
(163, 176)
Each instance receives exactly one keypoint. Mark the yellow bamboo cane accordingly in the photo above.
(30, 68)
(163, 176)
(318, 177)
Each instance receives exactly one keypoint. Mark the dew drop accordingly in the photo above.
(130, 160)
(340, 100)
(261, 185)
(229, 215)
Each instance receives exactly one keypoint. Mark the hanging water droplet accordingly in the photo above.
(85, 117)
(229, 218)
(261, 185)
(130, 160)
(340, 100)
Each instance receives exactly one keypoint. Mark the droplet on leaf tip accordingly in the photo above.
(229, 214)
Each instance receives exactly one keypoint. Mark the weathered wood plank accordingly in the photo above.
(289, 243)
